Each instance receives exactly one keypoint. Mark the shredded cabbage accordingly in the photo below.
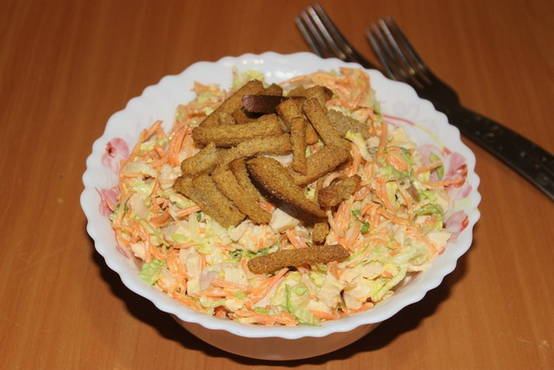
(393, 229)
(150, 271)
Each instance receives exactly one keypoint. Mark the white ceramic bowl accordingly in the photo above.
(401, 106)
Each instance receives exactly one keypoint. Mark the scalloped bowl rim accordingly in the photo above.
(382, 311)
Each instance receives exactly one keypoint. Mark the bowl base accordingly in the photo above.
(274, 348)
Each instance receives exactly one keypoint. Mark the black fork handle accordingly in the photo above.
(530, 160)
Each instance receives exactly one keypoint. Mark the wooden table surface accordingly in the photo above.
(66, 66)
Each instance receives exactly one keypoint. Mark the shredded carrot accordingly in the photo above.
(287, 318)
(295, 240)
(220, 312)
(229, 285)
(382, 140)
(393, 218)
(188, 301)
(154, 252)
(413, 232)
(367, 208)
(170, 289)
(387, 274)
(227, 247)
(352, 91)
(188, 148)
(268, 320)
(202, 261)
(157, 164)
(382, 192)
(215, 293)
(429, 167)
(261, 291)
(374, 217)
(244, 265)
(266, 206)
(146, 134)
(343, 215)
(160, 151)
(175, 145)
(120, 240)
(362, 193)
(160, 220)
(175, 265)
(283, 241)
(407, 200)
(283, 318)
(324, 315)
(397, 162)
(353, 234)
(356, 160)
(187, 211)
(333, 268)
(439, 184)
(362, 308)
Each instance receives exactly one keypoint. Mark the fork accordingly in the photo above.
(401, 62)
(325, 39)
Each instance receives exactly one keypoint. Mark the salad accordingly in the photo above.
(390, 223)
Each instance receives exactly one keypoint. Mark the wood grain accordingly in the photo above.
(66, 66)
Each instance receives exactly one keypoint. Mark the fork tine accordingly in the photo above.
(324, 32)
(311, 35)
(338, 38)
(385, 53)
(404, 65)
(375, 45)
(308, 37)
(403, 43)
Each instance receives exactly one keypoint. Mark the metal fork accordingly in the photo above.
(325, 39)
(401, 62)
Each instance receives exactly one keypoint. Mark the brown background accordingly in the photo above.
(66, 66)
